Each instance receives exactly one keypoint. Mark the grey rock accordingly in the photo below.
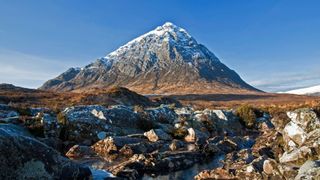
(24, 157)
(309, 170)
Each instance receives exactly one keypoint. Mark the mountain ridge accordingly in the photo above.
(165, 60)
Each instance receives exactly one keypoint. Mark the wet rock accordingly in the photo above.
(309, 170)
(24, 157)
(157, 134)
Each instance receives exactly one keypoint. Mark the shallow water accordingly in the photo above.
(189, 173)
(98, 174)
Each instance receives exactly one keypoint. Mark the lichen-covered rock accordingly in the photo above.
(305, 118)
(297, 156)
(24, 157)
(309, 170)
(157, 134)
(162, 114)
(294, 135)
(92, 123)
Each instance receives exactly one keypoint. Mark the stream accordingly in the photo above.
(189, 173)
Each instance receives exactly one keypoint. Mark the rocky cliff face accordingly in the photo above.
(164, 60)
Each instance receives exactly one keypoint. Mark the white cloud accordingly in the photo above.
(287, 81)
(28, 70)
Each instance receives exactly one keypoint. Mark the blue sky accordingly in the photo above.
(273, 44)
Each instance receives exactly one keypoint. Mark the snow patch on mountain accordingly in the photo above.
(305, 91)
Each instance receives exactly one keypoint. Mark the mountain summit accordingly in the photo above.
(164, 60)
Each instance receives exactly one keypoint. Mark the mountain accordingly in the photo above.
(313, 90)
(164, 60)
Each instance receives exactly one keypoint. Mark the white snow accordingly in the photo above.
(308, 90)
(161, 32)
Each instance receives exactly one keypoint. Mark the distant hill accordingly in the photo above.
(313, 91)
(23, 97)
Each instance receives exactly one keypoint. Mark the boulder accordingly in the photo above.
(162, 114)
(157, 134)
(24, 157)
(305, 118)
(88, 124)
(196, 136)
(112, 145)
(8, 114)
(51, 127)
(309, 170)
(270, 166)
(294, 135)
(296, 156)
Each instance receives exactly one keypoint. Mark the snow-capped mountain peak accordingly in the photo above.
(167, 32)
(163, 58)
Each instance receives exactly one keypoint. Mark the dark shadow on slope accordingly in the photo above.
(220, 97)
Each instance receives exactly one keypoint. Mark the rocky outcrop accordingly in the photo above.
(88, 124)
(300, 136)
(8, 114)
(309, 170)
(24, 157)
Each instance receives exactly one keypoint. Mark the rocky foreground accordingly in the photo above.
(133, 142)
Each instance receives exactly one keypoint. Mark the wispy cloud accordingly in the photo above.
(287, 81)
(28, 70)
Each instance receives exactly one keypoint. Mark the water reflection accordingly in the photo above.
(190, 172)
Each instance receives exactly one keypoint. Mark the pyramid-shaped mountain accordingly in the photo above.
(164, 60)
